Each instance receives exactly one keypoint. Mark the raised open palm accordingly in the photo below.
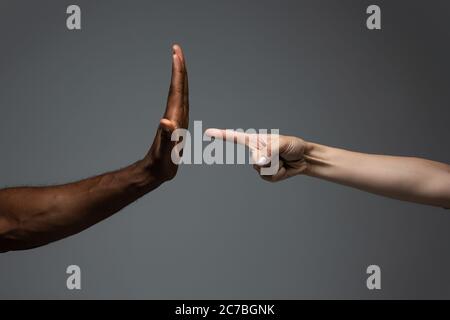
(176, 116)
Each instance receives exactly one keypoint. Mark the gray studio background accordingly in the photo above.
(77, 104)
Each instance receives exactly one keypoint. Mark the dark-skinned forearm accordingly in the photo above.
(31, 217)
(34, 216)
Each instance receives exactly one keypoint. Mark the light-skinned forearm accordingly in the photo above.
(405, 178)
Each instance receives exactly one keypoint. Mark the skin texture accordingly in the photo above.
(35, 216)
(404, 178)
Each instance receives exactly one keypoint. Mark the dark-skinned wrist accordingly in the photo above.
(142, 176)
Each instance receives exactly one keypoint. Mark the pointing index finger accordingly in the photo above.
(231, 136)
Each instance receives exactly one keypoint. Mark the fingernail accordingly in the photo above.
(262, 161)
